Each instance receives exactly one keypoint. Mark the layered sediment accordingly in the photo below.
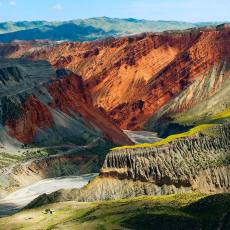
(39, 105)
(132, 78)
(41, 112)
(200, 163)
(58, 165)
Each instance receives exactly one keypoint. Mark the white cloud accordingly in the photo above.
(12, 3)
(58, 6)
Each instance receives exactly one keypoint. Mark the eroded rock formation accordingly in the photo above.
(37, 105)
(42, 112)
(178, 164)
(199, 163)
(132, 78)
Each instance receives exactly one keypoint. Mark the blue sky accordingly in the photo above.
(53, 10)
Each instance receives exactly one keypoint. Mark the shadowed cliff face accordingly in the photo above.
(181, 163)
(37, 106)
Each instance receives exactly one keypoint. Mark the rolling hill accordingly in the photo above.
(87, 29)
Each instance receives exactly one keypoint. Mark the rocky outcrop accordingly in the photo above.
(70, 96)
(18, 48)
(33, 115)
(199, 163)
(37, 105)
(207, 96)
(24, 174)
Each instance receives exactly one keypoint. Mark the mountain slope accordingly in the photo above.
(200, 103)
(67, 31)
(132, 78)
(33, 102)
(175, 83)
(186, 96)
(86, 29)
(48, 125)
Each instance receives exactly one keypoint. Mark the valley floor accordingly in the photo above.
(181, 211)
(20, 198)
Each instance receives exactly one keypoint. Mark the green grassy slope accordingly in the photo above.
(204, 101)
(205, 128)
(193, 131)
(181, 211)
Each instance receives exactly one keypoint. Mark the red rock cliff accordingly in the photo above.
(132, 78)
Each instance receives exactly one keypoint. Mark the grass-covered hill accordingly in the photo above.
(182, 211)
(86, 29)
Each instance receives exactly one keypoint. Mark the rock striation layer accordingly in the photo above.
(132, 78)
(44, 113)
(200, 163)
(39, 105)
(178, 164)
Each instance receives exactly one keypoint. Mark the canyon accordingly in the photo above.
(132, 78)
(149, 112)
(47, 115)
(187, 90)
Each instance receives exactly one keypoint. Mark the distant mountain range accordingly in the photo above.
(88, 29)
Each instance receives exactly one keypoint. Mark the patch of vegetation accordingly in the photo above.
(166, 128)
(162, 221)
(7, 159)
(222, 115)
(178, 212)
(200, 128)
(76, 140)
(10, 109)
(28, 154)
(64, 169)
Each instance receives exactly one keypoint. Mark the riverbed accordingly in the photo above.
(20, 198)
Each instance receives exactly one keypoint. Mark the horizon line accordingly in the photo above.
(138, 19)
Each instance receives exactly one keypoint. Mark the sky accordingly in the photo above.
(59, 10)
